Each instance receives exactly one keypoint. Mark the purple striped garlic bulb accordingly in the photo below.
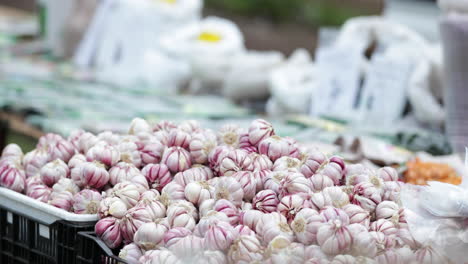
(157, 175)
(61, 149)
(206, 206)
(229, 209)
(162, 256)
(190, 126)
(128, 193)
(220, 236)
(87, 141)
(186, 248)
(334, 238)
(260, 177)
(93, 174)
(139, 126)
(86, 202)
(250, 218)
(112, 206)
(122, 171)
(196, 174)
(164, 126)
(272, 180)
(132, 220)
(388, 210)
(384, 226)
(212, 218)
(357, 215)
(247, 182)
(66, 185)
(131, 253)
(74, 138)
(229, 135)
(334, 169)
(230, 189)
(366, 195)
(12, 177)
(34, 160)
(216, 155)
(150, 236)
(39, 192)
(152, 152)
(173, 235)
(245, 249)
(201, 146)
(129, 152)
(199, 191)
(76, 160)
(172, 192)
(337, 196)
(294, 183)
(259, 130)
(330, 214)
(244, 143)
(265, 201)
(63, 200)
(156, 209)
(108, 229)
(287, 164)
(109, 138)
(243, 230)
(305, 226)
(311, 160)
(318, 182)
(179, 138)
(106, 154)
(274, 147)
(48, 139)
(53, 171)
(235, 161)
(261, 162)
(176, 159)
(12, 150)
(290, 205)
(272, 227)
(363, 244)
(179, 217)
(387, 174)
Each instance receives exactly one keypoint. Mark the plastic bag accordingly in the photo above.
(210, 46)
(292, 85)
(437, 216)
(249, 75)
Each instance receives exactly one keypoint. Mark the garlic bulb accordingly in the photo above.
(179, 138)
(112, 206)
(122, 171)
(230, 189)
(127, 192)
(272, 180)
(190, 126)
(187, 247)
(93, 174)
(108, 229)
(53, 171)
(132, 220)
(176, 159)
(220, 236)
(229, 209)
(131, 253)
(211, 257)
(275, 227)
(173, 235)
(330, 214)
(334, 238)
(259, 130)
(149, 236)
(367, 196)
(229, 135)
(364, 244)
(63, 200)
(60, 149)
(206, 206)
(387, 174)
(384, 226)
(159, 257)
(164, 126)
(109, 137)
(247, 182)
(244, 143)
(235, 161)
(388, 210)
(12, 177)
(245, 249)
(243, 230)
(287, 163)
(290, 205)
(86, 142)
(216, 155)
(318, 182)
(86, 202)
(265, 201)
(192, 175)
(76, 160)
(156, 209)
(314, 252)
(338, 197)
(152, 153)
(105, 154)
(334, 169)
(311, 161)
(180, 217)
(357, 215)
(12, 150)
(250, 218)
(260, 162)
(34, 160)
(198, 192)
(274, 147)
(212, 218)
(294, 183)
(390, 256)
(74, 138)
(129, 152)
(39, 192)
(305, 226)
(157, 175)
(201, 146)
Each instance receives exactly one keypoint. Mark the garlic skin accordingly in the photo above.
(382, 241)
(129, 152)
(112, 206)
(12, 177)
(387, 174)
(86, 202)
(131, 253)
(127, 192)
(180, 217)
(334, 170)
(60, 149)
(152, 153)
(206, 206)
(187, 247)
(305, 226)
(245, 249)
(106, 154)
(212, 218)
(247, 182)
(274, 227)
(39, 192)
(384, 226)
(53, 171)
(388, 210)
(176, 159)
(220, 236)
(343, 259)
(311, 160)
(108, 229)
(265, 201)
(363, 244)
(290, 205)
(122, 171)
(33, 161)
(272, 180)
(216, 155)
(294, 183)
(367, 196)
(318, 182)
(150, 236)
(334, 238)
(235, 161)
(428, 255)
(198, 192)
(390, 256)
(320, 200)
(243, 230)
(93, 174)
(391, 191)
(201, 145)
(229, 135)
(190, 126)
(196, 174)
(287, 163)
(338, 197)
(33, 181)
(63, 200)
(357, 215)
(156, 209)
(260, 162)
(314, 252)
(405, 238)
(12, 150)
(163, 256)
(76, 160)
(157, 175)
(211, 257)
(259, 130)
(230, 189)
(179, 138)
(173, 235)
(164, 125)
(229, 209)
(274, 147)
(172, 192)
(132, 220)
(331, 214)
(138, 126)
(250, 218)
(86, 141)
(244, 143)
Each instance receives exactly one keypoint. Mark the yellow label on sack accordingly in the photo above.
(209, 37)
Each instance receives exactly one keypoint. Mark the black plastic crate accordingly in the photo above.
(25, 240)
(92, 250)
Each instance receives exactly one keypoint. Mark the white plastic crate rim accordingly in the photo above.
(40, 211)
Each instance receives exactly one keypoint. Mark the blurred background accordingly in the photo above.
(362, 78)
